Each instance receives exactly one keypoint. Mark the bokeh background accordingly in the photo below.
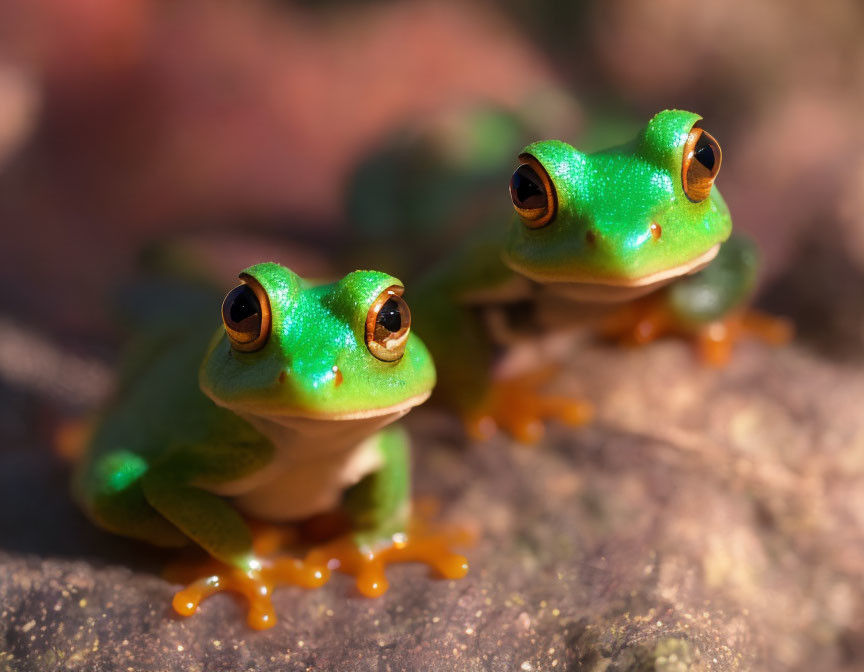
(301, 131)
(123, 123)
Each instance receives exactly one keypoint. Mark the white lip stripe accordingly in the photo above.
(274, 414)
(655, 278)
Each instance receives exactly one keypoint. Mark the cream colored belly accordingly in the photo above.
(314, 462)
(302, 489)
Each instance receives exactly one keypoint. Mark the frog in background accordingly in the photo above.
(283, 414)
(639, 227)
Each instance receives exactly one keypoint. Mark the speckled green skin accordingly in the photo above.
(615, 194)
(163, 441)
(606, 204)
(315, 328)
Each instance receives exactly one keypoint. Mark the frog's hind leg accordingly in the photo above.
(218, 528)
(383, 530)
(123, 495)
(109, 490)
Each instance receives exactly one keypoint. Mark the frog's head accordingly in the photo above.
(343, 351)
(623, 221)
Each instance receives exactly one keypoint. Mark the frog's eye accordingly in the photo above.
(246, 315)
(533, 193)
(387, 325)
(701, 164)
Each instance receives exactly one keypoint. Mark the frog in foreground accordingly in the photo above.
(640, 225)
(286, 418)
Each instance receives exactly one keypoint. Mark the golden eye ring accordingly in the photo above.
(246, 315)
(388, 324)
(700, 165)
(533, 193)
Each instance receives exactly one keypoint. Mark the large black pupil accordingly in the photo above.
(705, 155)
(526, 189)
(243, 304)
(389, 316)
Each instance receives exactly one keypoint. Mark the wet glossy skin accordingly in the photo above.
(316, 363)
(623, 218)
(298, 428)
(623, 227)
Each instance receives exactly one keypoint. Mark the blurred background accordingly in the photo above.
(318, 133)
(125, 123)
(297, 131)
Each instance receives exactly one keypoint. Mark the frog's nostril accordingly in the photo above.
(656, 231)
(337, 376)
(591, 237)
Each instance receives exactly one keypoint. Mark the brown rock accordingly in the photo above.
(707, 520)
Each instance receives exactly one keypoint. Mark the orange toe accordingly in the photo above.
(518, 407)
(256, 585)
(368, 567)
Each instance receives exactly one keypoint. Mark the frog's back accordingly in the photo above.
(158, 403)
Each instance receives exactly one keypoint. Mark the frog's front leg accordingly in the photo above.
(710, 308)
(215, 525)
(383, 531)
(463, 340)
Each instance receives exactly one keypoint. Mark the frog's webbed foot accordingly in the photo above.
(255, 584)
(367, 562)
(256, 581)
(647, 320)
(716, 339)
(517, 406)
(638, 322)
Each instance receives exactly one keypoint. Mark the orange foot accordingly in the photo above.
(368, 566)
(645, 321)
(638, 322)
(716, 340)
(519, 408)
(256, 584)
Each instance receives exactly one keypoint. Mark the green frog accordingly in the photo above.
(283, 414)
(640, 226)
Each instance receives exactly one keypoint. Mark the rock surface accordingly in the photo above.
(707, 521)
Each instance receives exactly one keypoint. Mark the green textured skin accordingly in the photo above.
(314, 329)
(379, 504)
(719, 289)
(161, 438)
(616, 194)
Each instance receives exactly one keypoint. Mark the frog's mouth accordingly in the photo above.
(624, 289)
(312, 435)
(290, 415)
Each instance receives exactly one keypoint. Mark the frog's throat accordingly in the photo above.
(622, 289)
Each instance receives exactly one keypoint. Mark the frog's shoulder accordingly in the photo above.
(476, 274)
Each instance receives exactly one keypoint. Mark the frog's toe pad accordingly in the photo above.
(368, 567)
(256, 585)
